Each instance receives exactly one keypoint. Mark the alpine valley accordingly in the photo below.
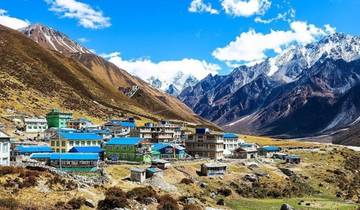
(42, 68)
(305, 91)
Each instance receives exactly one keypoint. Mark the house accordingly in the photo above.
(231, 142)
(138, 175)
(150, 172)
(88, 149)
(120, 128)
(159, 163)
(163, 131)
(293, 159)
(35, 125)
(51, 132)
(74, 160)
(79, 124)
(4, 149)
(168, 151)
(58, 119)
(246, 151)
(213, 169)
(128, 149)
(206, 144)
(281, 156)
(64, 141)
(269, 151)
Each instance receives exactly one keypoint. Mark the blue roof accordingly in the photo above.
(123, 123)
(230, 135)
(40, 155)
(159, 146)
(33, 149)
(124, 141)
(271, 148)
(74, 156)
(93, 149)
(80, 136)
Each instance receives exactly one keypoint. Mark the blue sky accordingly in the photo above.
(158, 31)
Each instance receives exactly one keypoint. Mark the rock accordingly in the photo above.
(190, 200)
(149, 200)
(213, 194)
(286, 206)
(220, 202)
(287, 171)
(251, 178)
(89, 203)
(203, 185)
(338, 194)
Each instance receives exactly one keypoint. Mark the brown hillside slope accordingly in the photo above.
(33, 80)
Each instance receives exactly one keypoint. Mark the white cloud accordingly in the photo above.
(83, 39)
(12, 22)
(200, 6)
(245, 8)
(84, 13)
(285, 16)
(165, 71)
(252, 46)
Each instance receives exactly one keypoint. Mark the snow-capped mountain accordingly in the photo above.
(175, 85)
(289, 65)
(280, 95)
(53, 40)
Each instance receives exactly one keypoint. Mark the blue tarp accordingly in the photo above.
(80, 136)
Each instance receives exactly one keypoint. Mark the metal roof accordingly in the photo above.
(93, 149)
(40, 155)
(74, 156)
(124, 141)
(230, 135)
(271, 148)
(122, 123)
(80, 136)
(159, 146)
(33, 149)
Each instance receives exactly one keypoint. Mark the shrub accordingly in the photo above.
(5, 170)
(142, 194)
(29, 181)
(114, 198)
(167, 202)
(76, 203)
(192, 207)
(225, 192)
(186, 181)
(9, 203)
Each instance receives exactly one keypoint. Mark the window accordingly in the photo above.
(62, 150)
(5, 147)
(77, 143)
(71, 143)
(57, 143)
(63, 143)
(88, 143)
(52, 143)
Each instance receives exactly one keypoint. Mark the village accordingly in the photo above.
(167, 156)
(60, 141)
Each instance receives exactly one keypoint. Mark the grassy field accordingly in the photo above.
(269, 204)
(265, 141)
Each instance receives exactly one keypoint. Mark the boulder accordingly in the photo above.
(286, 206)
(220, 202)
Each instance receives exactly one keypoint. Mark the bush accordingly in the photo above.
(76, 203)
(187, 181)
(9, 203)
(114, 198)
(5, 170)
(167, 202)
(29, 181)
(142, 194)
(192, 207)
(225, 192)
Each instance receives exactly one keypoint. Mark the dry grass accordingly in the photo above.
(265, 141)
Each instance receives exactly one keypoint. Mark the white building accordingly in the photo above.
(163, 131)
(4, 149)
(231, 143)
(35, 125)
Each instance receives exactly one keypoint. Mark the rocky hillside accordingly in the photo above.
(35, 77)
(280, 95)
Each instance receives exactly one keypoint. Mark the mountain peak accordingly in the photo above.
(52, 39)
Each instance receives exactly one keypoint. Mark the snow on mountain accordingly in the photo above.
(289, 65)
(174, 85)
(53, 40)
